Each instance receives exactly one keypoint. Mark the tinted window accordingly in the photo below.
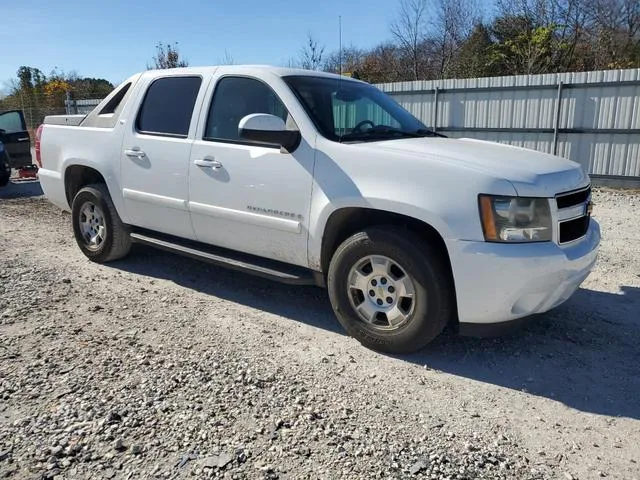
(11, 122)
(348, 113)
(235, 98)
(115, 100)
(168, 106)
(345, 110)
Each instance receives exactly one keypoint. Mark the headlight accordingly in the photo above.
(515, 219)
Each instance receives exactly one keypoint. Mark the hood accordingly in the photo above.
(531, 173)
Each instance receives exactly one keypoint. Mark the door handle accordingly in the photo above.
(23, 139)
(135, 153)
(208, 163)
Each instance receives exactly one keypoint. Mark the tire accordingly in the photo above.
(412, 321)
(5, 174)
(93, 208)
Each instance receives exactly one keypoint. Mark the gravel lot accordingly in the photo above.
(161, 367)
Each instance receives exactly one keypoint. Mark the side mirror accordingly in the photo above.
(265, 128)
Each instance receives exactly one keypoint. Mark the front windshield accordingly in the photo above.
(345, 110)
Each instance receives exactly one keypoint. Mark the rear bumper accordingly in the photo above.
(53, 188)
(498, 283)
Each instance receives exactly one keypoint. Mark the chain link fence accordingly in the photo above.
(37, 105)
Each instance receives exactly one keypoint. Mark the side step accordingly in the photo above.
(261, 267)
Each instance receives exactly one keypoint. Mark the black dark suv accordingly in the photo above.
(15, 144)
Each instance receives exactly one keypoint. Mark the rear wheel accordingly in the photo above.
(99, 232)
(390, 289)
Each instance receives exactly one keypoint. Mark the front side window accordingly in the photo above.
(349, 111)
(235, 98)
(168, 106)
(12, 122)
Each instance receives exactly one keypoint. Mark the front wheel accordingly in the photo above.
(99, 232)
(390, 289)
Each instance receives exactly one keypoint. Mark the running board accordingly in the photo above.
(261, 267)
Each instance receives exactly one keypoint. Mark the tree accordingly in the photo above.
(352, 58)
(523, 48)
(383, 64)
(409, 30)
(39, 95)
(474, 56)
(569, 19)
(615, 33)
(167, 56)
(452, 25)
(227, 59)
(30, 78)
(311, 54)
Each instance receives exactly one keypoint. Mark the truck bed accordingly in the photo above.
(69, 120)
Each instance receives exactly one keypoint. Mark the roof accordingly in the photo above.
(279, 71)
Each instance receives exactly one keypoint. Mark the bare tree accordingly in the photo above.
(615, 32)
(311, 55)
(409, 29)
(227, 59)
(351, 60)
(453, 23)
(167, 56)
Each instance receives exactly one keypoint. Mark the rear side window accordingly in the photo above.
(168, 106)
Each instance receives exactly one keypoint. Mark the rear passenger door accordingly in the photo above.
(15, 137)
(155, 154)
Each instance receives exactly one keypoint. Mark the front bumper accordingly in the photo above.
(498, 283)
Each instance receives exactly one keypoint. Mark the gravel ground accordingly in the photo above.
(161, 367)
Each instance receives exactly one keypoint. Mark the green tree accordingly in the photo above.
(475, 55)
(520, 47)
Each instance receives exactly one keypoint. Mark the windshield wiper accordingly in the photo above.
(380, 132)
(425, 132)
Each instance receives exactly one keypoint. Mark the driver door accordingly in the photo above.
(244, 195)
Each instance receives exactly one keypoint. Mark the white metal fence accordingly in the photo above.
(590, 117)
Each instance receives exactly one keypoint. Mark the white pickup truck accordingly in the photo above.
(311, 178)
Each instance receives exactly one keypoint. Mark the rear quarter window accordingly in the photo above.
(168, 106)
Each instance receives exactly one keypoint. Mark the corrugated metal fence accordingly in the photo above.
(590, 117)
(74, 107)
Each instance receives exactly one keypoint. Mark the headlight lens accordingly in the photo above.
(515, 219)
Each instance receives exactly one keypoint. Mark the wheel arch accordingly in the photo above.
(78, 176)
(344, 222)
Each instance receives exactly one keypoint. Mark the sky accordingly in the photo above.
(116, 39)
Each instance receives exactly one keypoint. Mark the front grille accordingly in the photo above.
(573, 198)
(573, 229)
(573, 214)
